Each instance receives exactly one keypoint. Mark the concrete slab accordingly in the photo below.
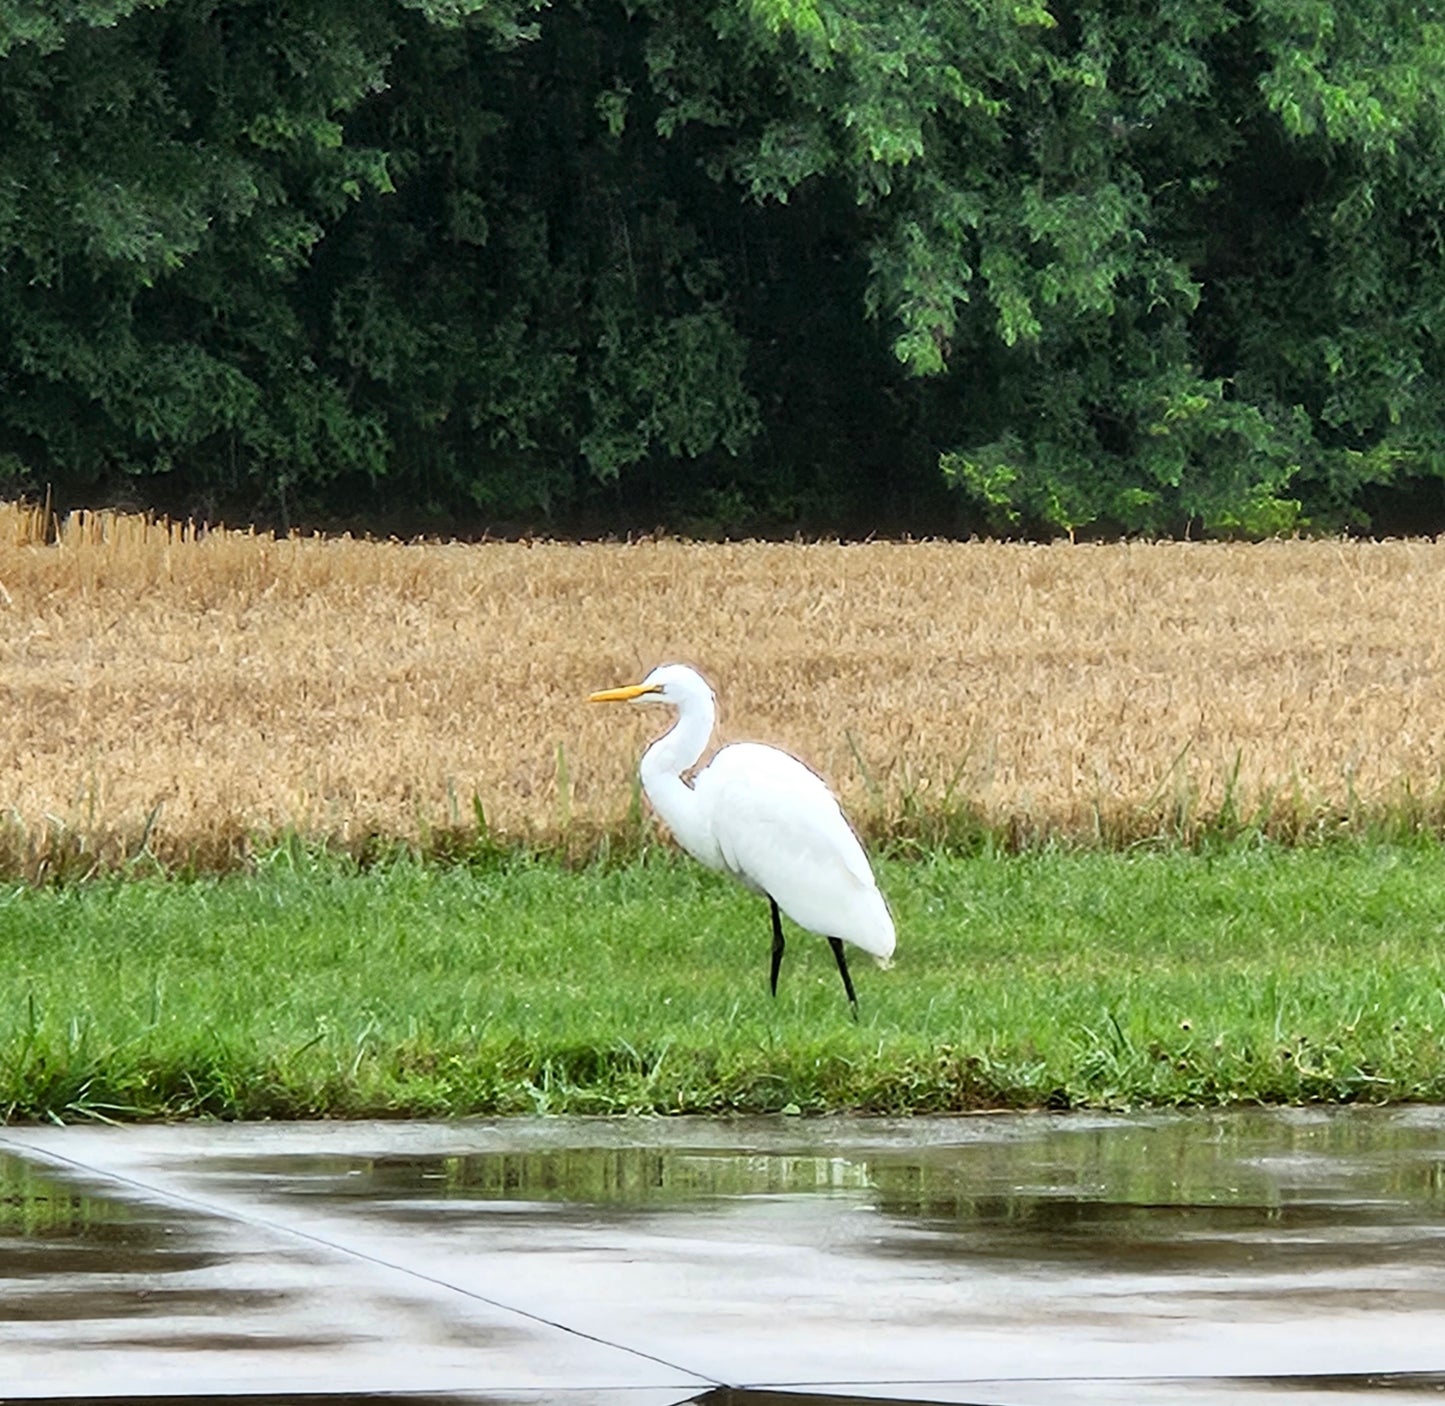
(1018, 1261)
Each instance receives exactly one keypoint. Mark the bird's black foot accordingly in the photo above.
(777, 946)
(836, 943)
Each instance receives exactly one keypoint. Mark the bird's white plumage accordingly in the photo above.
(760, 814)
(779, 829)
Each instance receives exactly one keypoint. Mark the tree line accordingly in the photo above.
(736, 265)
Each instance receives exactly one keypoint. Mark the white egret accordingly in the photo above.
(761, 815)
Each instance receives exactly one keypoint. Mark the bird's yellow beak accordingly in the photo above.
(624, 695)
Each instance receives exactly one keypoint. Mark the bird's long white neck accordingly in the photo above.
(677, 750)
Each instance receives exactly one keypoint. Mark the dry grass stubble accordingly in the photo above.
(191, 696)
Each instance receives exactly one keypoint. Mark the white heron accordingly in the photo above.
(762, 816)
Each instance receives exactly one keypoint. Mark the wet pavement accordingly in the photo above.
(1023, 1261)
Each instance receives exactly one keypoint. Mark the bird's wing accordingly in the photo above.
(779, 828)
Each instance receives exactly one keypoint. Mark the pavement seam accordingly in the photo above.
(212, 1208)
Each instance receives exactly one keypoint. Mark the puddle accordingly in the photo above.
(621, 1179)
(99, 1287)
(67, 1253)
(1245, 1257)
(90, 1271)
(1299, 1193)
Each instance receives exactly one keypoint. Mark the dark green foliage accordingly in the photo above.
(168, 181)
(837, 263)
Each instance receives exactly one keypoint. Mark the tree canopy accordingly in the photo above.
(836, 264)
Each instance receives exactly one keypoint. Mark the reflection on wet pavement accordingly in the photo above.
(103, 1270)
(1247, 1257)
(102, 1289)
(48, 1228)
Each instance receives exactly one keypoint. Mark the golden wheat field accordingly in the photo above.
(189, 696)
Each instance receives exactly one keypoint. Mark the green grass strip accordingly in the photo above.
(1054, 978)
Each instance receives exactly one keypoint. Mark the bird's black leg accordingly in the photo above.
(836, 943)
(777, 944)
